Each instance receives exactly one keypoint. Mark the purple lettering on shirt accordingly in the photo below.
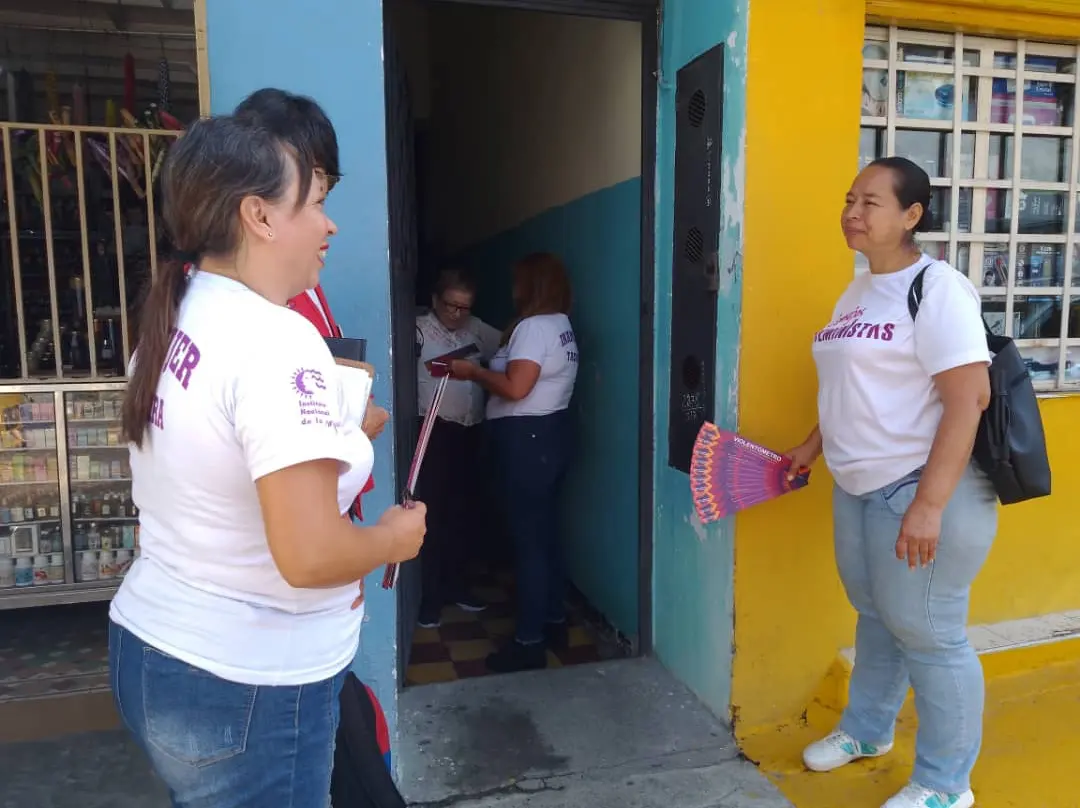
(182, 358)
(309, 386)
(157, 413)
(849, 326)
(191, 361)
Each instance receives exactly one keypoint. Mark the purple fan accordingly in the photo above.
(729, 473)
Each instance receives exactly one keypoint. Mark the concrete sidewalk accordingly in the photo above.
(616, 735)
(621, 734)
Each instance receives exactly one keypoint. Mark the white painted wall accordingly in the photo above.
(528, 111)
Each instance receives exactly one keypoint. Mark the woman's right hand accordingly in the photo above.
(802, 457)
(407, 528)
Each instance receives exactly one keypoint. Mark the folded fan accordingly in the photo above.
(729, 473)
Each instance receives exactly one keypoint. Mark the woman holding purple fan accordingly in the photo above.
(899, 403)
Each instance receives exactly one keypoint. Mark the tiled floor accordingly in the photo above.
(54, 650)
(457, 649)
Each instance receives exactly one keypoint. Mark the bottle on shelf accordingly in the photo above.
(93, 537)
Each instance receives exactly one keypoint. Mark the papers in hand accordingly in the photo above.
(357, 379)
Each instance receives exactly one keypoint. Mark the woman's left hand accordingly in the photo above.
(919, 534)
(463, 369)
(375, 419)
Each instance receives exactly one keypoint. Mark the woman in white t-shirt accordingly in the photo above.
(231, 634)
(899, 403)
(531, 380)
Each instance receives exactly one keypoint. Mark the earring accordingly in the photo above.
(269, 233)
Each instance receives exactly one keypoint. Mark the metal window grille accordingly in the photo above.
(996, 125)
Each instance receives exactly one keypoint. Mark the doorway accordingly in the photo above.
(516, 127)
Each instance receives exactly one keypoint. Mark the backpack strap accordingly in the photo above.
(915, 294)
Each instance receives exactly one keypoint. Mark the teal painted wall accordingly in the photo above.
(247, 40)
(693, 565)
(599, 238)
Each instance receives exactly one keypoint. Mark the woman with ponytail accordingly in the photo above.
(232, 632)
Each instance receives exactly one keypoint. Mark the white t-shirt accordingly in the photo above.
(878, 407)
(463, 402)
(248, 388)
(548, 340)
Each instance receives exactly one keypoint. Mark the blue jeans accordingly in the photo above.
(220, 744)
(532, 454)
(912, 625)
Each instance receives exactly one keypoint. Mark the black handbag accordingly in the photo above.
(1010, 446)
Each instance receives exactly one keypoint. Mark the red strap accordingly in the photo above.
(334, 330)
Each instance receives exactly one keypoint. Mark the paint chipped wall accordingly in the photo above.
(692, 575)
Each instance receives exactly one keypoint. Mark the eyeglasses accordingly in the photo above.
(454, 308)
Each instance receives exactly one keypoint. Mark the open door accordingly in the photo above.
(404, 248)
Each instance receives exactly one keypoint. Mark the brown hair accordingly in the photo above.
(541, 286)
(216, 164)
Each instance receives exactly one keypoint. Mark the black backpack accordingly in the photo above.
(360, 778)
(1010, 446)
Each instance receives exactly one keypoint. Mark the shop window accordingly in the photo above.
(1006, 204)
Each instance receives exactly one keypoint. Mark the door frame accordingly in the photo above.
(646, 12)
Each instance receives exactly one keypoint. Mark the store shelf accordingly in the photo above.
(88, 472)
(51, 594)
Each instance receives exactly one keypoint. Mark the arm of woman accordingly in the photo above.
(312, 545)
(287, 408)
(950, 343)
(804, 455)
(965, 393)
(515, 384)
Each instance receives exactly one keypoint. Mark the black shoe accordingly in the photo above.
(557, 635)
(467, 603)
(430, 618)
(515, 656)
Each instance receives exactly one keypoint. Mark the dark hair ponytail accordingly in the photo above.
(208, 172)
(156, 323)
(912, 186)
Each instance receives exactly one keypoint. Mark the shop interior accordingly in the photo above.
(511, 132)
(92, 94)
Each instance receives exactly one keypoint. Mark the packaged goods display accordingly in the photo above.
(69, 528)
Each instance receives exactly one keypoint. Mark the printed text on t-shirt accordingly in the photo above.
(852, 326)
(567, 338)
(310, 387)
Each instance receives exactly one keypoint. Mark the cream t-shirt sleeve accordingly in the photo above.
(949, 329)
(287, 406)
(530, 340)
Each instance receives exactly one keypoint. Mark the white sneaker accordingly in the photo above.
(914, 795)
(840, 749)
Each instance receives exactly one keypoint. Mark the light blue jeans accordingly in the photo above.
(912, 626)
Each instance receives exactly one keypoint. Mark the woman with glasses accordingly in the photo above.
(450, 479)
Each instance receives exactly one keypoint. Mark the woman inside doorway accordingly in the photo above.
(450, 479)
(914, 519)
(531, 381)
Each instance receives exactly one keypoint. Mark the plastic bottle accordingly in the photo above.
(24, 572)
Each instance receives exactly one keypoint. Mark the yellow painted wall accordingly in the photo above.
(791, 615)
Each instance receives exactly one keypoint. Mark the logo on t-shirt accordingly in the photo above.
(307, 381)
(310, 387)
(851, 325)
